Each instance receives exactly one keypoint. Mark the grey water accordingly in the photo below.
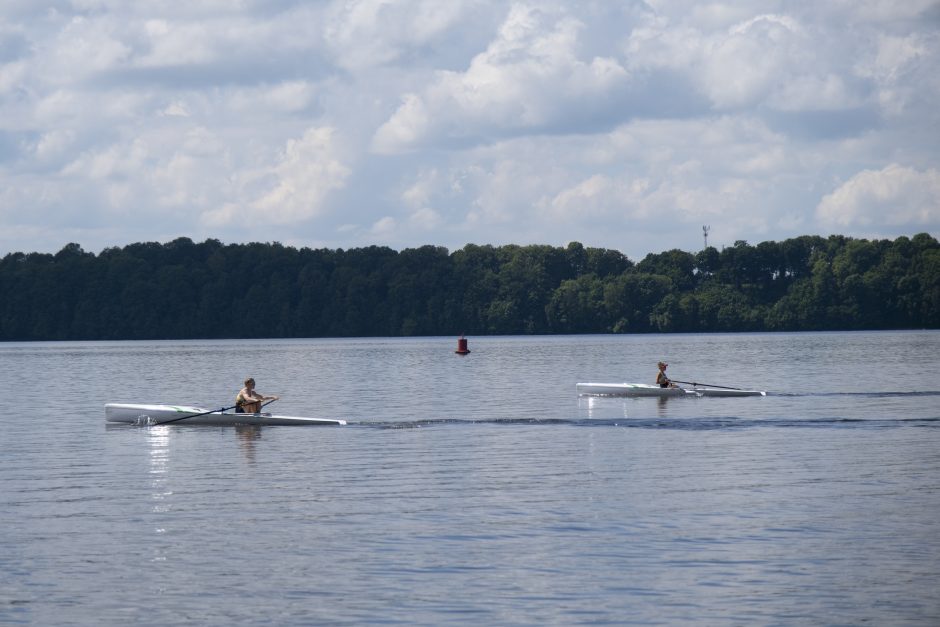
(476, 489)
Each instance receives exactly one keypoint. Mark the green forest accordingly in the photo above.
(187, 290)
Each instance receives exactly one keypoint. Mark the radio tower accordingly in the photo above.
(705, 230)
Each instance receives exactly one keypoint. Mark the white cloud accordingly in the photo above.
(894, 53)
(12, 75)
(597, 194)
(177, 44)
(893, 68)
(53, 144)
(384, 226)
(887, 10)
(419, 193)
(530, 77)
(425, 219)
(770, 60)
(405, 129)
(308, 171)
(815, 93)
(288, 97)
(737, 67)
(895, 196)
(366, 33)
(86, 46)
(116, 160)
(717, 15)
(176, 109)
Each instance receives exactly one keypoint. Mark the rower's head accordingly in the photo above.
(249, 382)
(663, 365)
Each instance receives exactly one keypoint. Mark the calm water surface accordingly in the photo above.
(477, 489)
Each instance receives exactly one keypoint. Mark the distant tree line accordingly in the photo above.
(182, 289)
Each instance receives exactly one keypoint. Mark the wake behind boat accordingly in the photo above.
(180, 414)
(647, 389)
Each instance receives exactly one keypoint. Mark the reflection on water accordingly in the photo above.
(661, 406)
(159, 440)
(247, 436)
(601, 407)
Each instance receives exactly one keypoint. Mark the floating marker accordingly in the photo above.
(462, 346)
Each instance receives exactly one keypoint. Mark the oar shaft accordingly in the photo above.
(708, 385)
(205, 413)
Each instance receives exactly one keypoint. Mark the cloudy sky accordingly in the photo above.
(343, 123)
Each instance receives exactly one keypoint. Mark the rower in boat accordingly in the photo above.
(147, 415)
(661, 379)
(248, 400)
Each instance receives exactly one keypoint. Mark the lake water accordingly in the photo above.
(477, 489)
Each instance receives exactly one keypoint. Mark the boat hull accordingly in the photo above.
(628, 389)
(129, 413)
(646, 389)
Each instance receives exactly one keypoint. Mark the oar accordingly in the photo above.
(205, 413)
(262, 406)
(269, 402)
(708, 385)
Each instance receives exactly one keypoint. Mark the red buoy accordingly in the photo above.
(462, 346)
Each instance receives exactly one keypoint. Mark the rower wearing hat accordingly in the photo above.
(661, 379)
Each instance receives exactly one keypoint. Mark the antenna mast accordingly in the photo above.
(705, 230)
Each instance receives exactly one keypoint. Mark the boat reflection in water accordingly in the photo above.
(607, 407)
(247, 436)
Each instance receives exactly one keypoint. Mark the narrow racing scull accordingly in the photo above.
(186, 415)
(646, 389)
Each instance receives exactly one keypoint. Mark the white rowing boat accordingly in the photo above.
(647, 389)
(177, 414)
